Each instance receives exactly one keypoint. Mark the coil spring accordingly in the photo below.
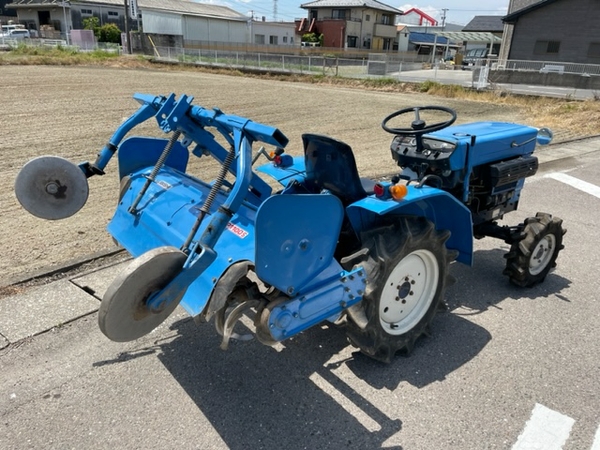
(210, 198)
(159, 164)
(165, 154)
(218, 182)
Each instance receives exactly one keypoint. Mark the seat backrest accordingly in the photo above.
(330, 165)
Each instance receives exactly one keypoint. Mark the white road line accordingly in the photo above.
(547, 430)
(351, 408)
(596, 444)
(584, 186)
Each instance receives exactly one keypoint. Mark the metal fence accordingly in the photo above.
(12, 43)
(354, 66)
(314, 65)
(546, 67)
(83, 47)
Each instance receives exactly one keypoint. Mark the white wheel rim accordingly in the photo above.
(542, 254)
(408, 292)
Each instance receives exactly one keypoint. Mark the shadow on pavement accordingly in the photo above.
(300, 396)
(470, 293)
(297, 398)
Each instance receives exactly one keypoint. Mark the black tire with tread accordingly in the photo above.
(531, 233)
(387, 246)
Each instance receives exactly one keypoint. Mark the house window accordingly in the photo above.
(367, 17)
(285, 39)
(340, 13)
(259, 39)
(352, 40)
(273, 40)
(113, 14)
(546, 47)
(594, 50)
(86, 12)
(386, 20)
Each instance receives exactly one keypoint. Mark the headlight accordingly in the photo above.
(439, 146)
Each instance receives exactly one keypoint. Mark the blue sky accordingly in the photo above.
(459, 11)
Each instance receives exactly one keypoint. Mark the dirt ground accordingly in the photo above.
(72, 112)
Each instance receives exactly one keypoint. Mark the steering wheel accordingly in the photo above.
(418, 127)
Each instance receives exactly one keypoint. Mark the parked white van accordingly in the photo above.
(15, 31)
(19, 33)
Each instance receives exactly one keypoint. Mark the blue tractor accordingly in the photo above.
(326, 245)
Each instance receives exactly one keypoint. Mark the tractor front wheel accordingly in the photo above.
(407, 267)
(534, 254)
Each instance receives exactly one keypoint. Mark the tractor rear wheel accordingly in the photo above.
(534, 254)
(407, 267)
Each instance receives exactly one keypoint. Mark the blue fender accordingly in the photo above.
(296, 171)
(296, 236)
(441, 208)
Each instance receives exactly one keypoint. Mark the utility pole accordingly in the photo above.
(126, 17)
(251, 38)
(445, 10)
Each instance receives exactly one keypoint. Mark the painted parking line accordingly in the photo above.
(596, 444)
(351, 408)
(546, 429)
(584, 186)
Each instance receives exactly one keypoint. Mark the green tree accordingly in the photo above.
(109, 33)
(310, 37)
(91, 23)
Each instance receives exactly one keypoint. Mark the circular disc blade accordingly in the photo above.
(123, 314)
(50, 187)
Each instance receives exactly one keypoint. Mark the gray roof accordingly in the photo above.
(514, 16)
(173, 6)
(373, 4)
(493, 24)
(189, 7)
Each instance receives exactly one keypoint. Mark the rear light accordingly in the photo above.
(386, 190)
(398, 191)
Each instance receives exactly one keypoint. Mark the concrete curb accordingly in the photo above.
(63, 267)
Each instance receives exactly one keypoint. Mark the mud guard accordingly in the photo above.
(445, 211)
(283, 175)
(296, 236)
(138, 152)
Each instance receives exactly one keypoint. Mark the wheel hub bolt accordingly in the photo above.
(52, 188)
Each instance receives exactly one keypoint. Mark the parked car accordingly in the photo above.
(18, 33)
(474, 56)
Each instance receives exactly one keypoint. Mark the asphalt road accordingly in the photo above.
(502, 363)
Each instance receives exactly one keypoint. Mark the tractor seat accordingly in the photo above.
(330, 165)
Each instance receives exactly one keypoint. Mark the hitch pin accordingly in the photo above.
(159, 164)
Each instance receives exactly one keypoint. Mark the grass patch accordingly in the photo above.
(383, 82)
(59, 55)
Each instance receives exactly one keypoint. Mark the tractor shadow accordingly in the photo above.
(483, 286)
(259, 398)
(302, 396)
(315, 391)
